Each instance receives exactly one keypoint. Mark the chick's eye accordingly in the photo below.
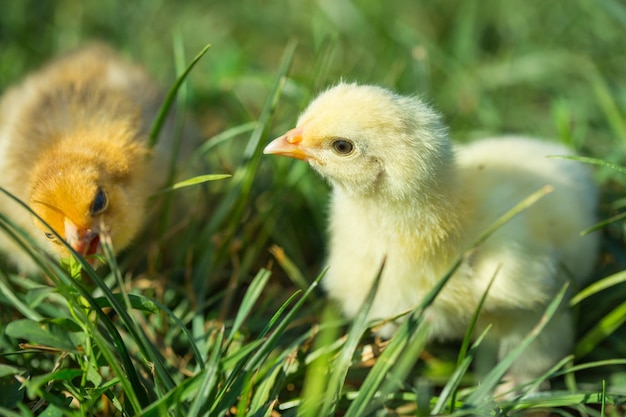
(343, 146)
(100, 202)
(50, 236)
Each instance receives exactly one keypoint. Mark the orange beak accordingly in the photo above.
(84, 241)
(290, 144)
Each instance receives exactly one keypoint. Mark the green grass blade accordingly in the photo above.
(415, 344)
(317, 375)
(368, 396)
(196, 351)
(169, 99)
(274, 319)
(148, 349)
(25, 241)
(607, 101)
(449, 392)
(122, 366)
(260, 404)
(10, 413)
(556, 399)
(598, 286)
(200, 179)
(210, 379)
(254, 145)
(254, 358)
(592, 161)
(489, 383)
(272, 339)
(28, 312)
(224, 136)
(409, 339)
(592, 365)
(289, 267)
(508, 216)
(135, 302)
(170, 403)
(603, 403)
(342, 363)
(468, 335)
(247, 304)
(605, 327)
(182, 98)
(534, 386)
(604, 223)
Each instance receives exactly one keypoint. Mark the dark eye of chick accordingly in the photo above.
(50, 236)
(100, 203)
(342, 146)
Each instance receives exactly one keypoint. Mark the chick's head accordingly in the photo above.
(83, 191)
(366, 139)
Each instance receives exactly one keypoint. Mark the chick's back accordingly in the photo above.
(497, 173)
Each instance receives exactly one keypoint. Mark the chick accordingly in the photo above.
(74, 147)
(402, 192)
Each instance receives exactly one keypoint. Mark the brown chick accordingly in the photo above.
(403, 193)
(74, 147)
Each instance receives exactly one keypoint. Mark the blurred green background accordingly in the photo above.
(552, 69)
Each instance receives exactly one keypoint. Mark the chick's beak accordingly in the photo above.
(290, 144)
(84, 241)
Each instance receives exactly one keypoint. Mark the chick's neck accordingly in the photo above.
(429, 215)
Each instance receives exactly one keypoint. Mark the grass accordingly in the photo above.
(215, 310)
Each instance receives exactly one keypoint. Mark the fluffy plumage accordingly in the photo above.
(402, 191)
(73, 146)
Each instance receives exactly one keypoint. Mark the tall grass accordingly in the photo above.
(215, 310)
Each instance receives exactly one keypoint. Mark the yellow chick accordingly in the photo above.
(74, 147)
(403, 192)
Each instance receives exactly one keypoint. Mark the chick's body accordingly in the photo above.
(402, 193)
(74, 147)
